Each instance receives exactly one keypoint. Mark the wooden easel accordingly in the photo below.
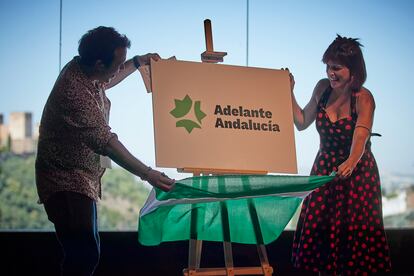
(195, 245)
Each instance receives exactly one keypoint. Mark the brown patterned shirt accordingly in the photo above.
(73, 132)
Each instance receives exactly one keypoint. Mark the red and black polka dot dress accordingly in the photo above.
(340, 228)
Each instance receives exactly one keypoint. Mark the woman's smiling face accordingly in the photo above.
(339, 75)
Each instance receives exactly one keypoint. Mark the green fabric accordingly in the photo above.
(250, 209)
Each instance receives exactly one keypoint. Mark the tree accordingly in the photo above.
(123, 196)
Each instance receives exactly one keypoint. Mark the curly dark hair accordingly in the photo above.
(347, 51)
(100, 44)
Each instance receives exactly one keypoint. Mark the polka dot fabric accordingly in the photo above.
(340, 228)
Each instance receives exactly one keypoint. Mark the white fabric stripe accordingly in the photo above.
(152, 203)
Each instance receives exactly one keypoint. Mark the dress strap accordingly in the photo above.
(354, 114)
(325, 96)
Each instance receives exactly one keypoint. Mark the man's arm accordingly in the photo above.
(120, 155)
(130, 67)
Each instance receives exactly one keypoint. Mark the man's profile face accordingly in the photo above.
(116, 66)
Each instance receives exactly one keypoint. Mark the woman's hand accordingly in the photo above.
(346, 168)
(292, 79)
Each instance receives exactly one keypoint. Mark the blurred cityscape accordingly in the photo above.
(123, 194)
(398, 199)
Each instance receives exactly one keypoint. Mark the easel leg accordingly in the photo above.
(228, 258)
(264, 261)
(195, 248)
(194, 257)
(194, 254)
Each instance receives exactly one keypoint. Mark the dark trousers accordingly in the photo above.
(75, 219)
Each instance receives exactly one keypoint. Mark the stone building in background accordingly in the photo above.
(18, 135)
(4, 133)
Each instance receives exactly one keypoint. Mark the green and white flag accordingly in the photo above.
(249, 209)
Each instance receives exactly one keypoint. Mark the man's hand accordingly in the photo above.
(160, 180)
(119, 153)
(146, 59)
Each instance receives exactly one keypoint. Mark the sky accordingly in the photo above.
(291, 34)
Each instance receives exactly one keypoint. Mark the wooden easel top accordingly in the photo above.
(210, 55)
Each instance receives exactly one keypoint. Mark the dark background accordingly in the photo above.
(38, 253)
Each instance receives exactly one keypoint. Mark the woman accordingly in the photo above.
(340, 228)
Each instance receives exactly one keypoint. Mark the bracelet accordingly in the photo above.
(136, 62)
(363, 127)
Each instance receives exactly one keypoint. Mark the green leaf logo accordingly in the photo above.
(182, 108)
(199, 114)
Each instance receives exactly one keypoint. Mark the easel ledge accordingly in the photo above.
(211, 171)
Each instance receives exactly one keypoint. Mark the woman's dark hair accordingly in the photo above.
(347, 52)
(100, 44)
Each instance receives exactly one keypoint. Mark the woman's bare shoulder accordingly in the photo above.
(365, 97)
(365, 94)
(320, 87)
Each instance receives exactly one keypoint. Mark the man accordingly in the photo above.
(75, 139)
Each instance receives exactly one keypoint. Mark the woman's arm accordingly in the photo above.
(305, 117)
(365, 107)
